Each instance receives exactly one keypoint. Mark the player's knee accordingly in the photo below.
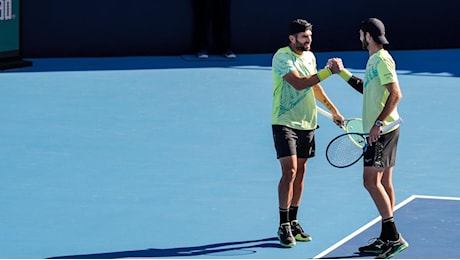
(369, 186)
(289, 174)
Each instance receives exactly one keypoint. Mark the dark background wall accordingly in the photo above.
(76, 28)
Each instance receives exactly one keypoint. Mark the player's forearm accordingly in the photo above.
(322, 97)
(391, 103)
(353, 81)
(299, 82)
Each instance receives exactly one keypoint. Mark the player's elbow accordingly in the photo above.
(395, 96)
(301, 85)
(398, 96)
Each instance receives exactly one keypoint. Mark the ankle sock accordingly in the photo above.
(293, 213)
(284, 216)
(389, 230)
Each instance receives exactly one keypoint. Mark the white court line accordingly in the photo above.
(436, 197)
(377, 219)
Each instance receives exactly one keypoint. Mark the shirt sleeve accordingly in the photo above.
(387, 71)
(283, 64)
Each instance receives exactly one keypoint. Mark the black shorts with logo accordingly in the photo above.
(289, 141)
(382, 154)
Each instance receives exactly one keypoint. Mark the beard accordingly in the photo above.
(301, 47)
(365, 45)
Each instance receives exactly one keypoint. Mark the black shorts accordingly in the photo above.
(289, 141)
(382, 154)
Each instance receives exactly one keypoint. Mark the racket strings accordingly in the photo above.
(345, 150)
(355, 126)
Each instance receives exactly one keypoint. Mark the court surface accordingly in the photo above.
(170, 157)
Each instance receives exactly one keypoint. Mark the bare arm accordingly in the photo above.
(301, 82)
(392, 101)
(322, 97)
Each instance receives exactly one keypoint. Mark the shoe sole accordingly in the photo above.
(397, 251)
(299, 238)
(286, 245)
(371, 252)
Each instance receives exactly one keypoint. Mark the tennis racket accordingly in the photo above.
(342, 151)
(351, 125)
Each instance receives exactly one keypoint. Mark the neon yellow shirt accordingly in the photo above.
(291, 107)
(380, 70)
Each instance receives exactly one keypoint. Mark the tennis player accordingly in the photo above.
(294, 120)
(381, 95)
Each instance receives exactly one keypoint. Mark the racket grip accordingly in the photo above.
(391, 125)
(324, 112)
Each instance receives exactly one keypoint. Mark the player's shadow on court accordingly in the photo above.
(355, 255)
(219, 249)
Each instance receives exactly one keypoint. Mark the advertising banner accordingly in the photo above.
(9, 28)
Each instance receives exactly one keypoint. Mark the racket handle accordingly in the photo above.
(324, 112)
(391, 125)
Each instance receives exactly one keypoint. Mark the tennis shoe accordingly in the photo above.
(392, 248)
(229, 55)
(374, 247)
(285, 235)
(298, 233)
(202, 54)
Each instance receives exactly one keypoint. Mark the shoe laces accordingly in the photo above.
(374, 240)
(286, 228)
(297, 226)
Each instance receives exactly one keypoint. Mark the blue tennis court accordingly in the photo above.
(171, 157)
